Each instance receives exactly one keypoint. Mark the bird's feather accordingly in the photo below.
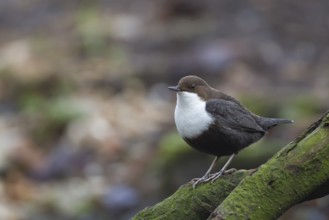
(233, 116)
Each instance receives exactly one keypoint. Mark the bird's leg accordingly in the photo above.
(214, 176)
(204, 178)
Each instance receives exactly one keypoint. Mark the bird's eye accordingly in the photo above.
(192, 86)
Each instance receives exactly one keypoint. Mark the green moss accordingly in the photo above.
(286, 179)
(283, 181)
(187, 203)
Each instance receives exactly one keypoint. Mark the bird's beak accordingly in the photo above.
(174, 88)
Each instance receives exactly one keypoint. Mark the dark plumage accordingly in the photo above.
(234, 128)
(231, 126)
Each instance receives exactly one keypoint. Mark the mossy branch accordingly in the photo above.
(187, 203)
(299, 172)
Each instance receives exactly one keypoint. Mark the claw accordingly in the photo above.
(203, 179)
(230, 171)
(216, 175)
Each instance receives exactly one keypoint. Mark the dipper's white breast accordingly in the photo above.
(191, 117)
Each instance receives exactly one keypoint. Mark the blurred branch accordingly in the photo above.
(299, 172)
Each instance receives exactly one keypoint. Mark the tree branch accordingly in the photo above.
(187, 203)
(286, 179)
(299, 172)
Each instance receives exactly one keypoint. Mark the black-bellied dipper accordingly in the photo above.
(215, 123)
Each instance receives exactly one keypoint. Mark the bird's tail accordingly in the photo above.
(268, 123)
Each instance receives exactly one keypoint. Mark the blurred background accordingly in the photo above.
(86, 120)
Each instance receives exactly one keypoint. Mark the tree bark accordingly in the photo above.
(299, 172)
(198, 203)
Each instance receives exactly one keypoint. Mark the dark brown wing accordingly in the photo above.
(233, 116)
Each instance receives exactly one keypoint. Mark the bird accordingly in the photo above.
(215, 123)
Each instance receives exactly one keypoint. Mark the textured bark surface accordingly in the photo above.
(299, 172)
(187, 203)
(286, 179)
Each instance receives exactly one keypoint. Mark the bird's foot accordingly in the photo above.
(203, 179)
(211, 177)
(215, 176)
(230, 171)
